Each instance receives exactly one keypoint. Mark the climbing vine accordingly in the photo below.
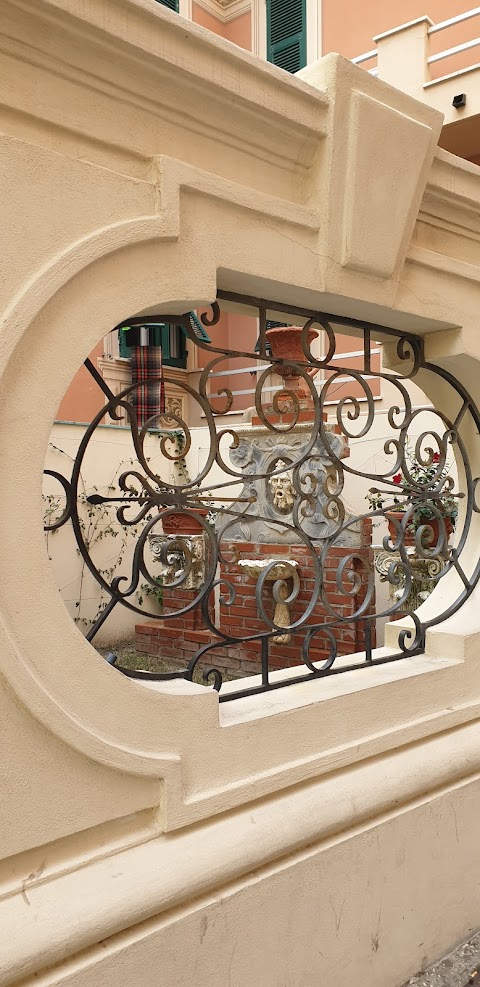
(106, 539)
(103, 534)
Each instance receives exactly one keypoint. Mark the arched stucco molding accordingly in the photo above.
(458, 634)
(170, 731)
(48, 330)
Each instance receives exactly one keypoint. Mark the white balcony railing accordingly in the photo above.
(404, 33)
(366, 58)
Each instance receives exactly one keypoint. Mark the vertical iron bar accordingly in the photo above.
(367, 355)
(262, 328)
(368, 642)
(265, 649)
(460, 415)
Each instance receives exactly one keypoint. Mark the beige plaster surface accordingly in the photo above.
(311, 884)
(148, 163)
(299, 921)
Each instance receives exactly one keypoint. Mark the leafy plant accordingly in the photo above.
(101, 531)
(146, 590)
(421, 485)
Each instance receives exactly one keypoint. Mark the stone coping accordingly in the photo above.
(110, 893)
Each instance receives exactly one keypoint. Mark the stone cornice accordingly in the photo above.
(208, 88)
(452, 194)
(225, 10)
(258, 430)
(256, 129)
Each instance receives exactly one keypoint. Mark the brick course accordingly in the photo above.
(179, 637)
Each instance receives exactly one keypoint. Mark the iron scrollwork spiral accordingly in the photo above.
(282, 479)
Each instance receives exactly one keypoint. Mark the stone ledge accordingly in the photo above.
(107, 896)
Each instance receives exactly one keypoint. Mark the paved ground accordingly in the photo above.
(459, 969)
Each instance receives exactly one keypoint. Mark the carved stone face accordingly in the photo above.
(282, 490)
(261, 454)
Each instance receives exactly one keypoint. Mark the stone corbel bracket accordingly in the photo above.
(380, 149)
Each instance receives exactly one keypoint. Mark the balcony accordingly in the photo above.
(437, 64)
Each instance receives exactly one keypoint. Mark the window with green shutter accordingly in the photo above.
(124, 343)
(287, 34)
(170, 338)
(172, 341)
(171, 4)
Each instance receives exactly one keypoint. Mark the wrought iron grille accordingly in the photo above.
(285, 569)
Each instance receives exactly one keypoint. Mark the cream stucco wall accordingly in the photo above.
(149, 829)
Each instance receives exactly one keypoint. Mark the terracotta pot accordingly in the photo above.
(434, 524)
(183, 524)
(285, 343)
(409, 538)
(392, 516)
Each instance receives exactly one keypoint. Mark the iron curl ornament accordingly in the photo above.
(282, 478)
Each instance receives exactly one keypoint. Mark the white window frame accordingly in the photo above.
(314, 29)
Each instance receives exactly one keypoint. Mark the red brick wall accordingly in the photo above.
(178, 638)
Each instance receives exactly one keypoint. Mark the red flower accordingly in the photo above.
(436, 457)
(397, 478)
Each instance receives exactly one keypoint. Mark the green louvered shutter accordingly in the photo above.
(158, 336)
(125, 342)
(276, 325)
(172, 341)
(170, 338)
(177, 347)
(171, 4)
(286, 34)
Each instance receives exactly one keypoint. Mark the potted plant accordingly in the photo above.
(420, 479)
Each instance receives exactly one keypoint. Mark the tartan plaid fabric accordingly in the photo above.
(148, 399)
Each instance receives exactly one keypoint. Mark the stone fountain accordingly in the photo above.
(279, 572)
(266, 564)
